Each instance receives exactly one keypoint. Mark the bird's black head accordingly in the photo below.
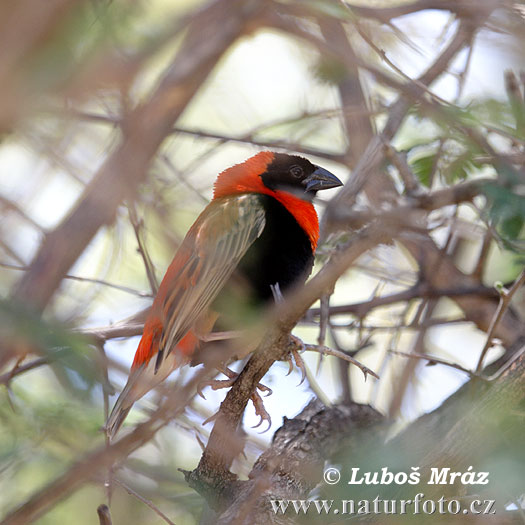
(297, 175)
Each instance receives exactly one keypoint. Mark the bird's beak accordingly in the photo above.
(321, 179)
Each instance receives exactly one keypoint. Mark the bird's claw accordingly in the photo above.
(218, 384)
(296, 346)
(260, 411)
(258, 405)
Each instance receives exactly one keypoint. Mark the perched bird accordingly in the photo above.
(254, 240)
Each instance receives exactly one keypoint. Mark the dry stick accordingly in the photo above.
(392, 343)
(343, 371)
(325, 350)
(212, 474)
(315, 387)
(477, 273)
(418, 291)
(247, 138)
(147, 502)
(184, 180)
(358, 131)
(9, 251)
(104, 515)
(463, 74)
(148, 265)
(87, 468)
(324, 320)
(385, 14)
(399, 161)
(384, 57)
(507, 365)
(6, 203)
(436, 321)
(120, 287)
(433, 359)
(425, 310)
(6, 378)
(147, 126)
(373, 155)
(506, 297)
(107, 390)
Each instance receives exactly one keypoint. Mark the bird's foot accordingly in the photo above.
(296, 346)
(260, 410)
(217, 384)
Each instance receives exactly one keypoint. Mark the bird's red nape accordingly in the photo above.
(246, 178)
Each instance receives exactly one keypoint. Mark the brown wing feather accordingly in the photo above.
(208, 256)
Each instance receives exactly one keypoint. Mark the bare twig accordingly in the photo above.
(213, 468)
(78, 278)
(419, 290)
(146, 128)
(505, 299)
(6, 378)
(400, 163)
(90, 465)
(104, 515)
(385, 14)
(325, 350)
(436, 360)
(148, 265)
(144, 500)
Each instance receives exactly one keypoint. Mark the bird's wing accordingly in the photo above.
(206, 259)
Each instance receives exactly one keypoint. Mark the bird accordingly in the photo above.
(253, 242)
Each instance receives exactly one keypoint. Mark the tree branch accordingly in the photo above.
(145, 129)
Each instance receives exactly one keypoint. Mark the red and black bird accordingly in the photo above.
(257, 236)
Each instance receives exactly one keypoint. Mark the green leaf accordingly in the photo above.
(506, 209)
(511, 226)
(69, 355)
(458, 169)
(422, 168)
(330, 8)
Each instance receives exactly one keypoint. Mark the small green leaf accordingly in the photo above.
(69, 355)
(422, 168)
(511, 226)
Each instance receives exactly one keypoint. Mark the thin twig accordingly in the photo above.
(147, 502)
(477, 273)
(120, 287)
(104, 515)
(507, 365)
(324, 320)
(436, 360)
(6, 378)
(399, 161)
(341, 355)
(506, 297)
(148, 265)
(342, 369)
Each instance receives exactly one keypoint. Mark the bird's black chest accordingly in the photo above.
(282, 254)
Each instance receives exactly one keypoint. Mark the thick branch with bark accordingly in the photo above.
(292, 466)
(145, 129)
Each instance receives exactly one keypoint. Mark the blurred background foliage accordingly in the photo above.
(70, 72)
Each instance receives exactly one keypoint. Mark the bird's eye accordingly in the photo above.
(296, 171)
